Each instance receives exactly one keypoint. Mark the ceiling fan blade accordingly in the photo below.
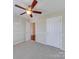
(31, 15)
(22, 13)
(38, 12)
(20, 7)
(33, 4)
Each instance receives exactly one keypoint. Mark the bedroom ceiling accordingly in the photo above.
(46, 6)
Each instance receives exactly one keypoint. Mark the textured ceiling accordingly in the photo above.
(46, 6)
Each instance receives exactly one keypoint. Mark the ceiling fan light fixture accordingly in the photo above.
(28, 12)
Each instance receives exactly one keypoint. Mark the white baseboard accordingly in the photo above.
(16, 42)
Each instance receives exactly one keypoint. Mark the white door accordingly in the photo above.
(54, 32)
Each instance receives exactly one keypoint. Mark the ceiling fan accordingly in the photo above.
(29, 10)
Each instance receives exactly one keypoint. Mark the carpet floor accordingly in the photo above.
(35, 50)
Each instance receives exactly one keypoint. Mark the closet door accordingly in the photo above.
(54, 32)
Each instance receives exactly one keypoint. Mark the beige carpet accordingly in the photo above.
(31, 50)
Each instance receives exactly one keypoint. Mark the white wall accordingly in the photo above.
(19, 28)
(41, 31)
(22, 30)
(28, 31)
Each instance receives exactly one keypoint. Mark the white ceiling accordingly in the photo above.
(46, 6)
